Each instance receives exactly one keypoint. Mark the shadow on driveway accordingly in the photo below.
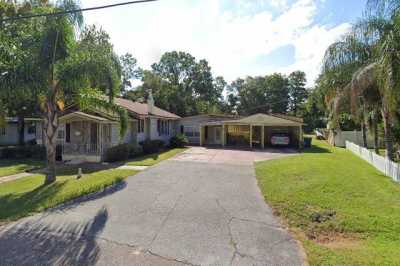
(36, 243)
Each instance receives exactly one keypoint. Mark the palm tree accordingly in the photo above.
(376, 66)
(342, 59)
(57, 45)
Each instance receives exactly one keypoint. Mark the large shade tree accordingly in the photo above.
(182, 85)
(20, 82)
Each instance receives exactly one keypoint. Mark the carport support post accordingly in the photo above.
(201, 135)
(301, 139)
(223, 136)
(251, 136)
(262, 137)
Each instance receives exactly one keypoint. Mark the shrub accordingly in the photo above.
(22, 152)
(117, 153)
(179, 141)
(152, 146)
(134, 150)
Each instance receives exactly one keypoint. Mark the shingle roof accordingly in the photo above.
(264, 119)
(142, 109)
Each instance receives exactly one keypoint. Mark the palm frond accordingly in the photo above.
(89, 99)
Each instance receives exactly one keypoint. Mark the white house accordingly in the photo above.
(87, 135)
(9, 133)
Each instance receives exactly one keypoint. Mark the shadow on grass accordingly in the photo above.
(87, 168)
(120, 185)
(45, 243)
(317, 149)
(22, 204)
(14, 206)
(21, 165)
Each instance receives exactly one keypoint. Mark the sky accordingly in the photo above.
(238, 38)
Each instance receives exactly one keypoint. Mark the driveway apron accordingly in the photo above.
(186, 210)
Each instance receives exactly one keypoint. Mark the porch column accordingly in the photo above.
(251, 136)
(201, 136)
(262, 137)
(223, 136)
(98, 138)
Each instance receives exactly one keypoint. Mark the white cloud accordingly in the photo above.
(228, 39)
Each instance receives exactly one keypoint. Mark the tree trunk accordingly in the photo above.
(376, 135)
(21, 130)
(388, 133)
(50, 131)
(364, 135)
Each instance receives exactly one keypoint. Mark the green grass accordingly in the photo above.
(25, 196)
(152, 159)
(343, 210)
(11, 167)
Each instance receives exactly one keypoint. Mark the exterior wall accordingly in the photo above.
(212, 135)
(11, 133)
(155, 135)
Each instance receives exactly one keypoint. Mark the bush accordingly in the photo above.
(23, 152)
(179, 141)
(134, 150)
(152, 146)
(117, 153)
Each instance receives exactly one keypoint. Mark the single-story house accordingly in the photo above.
(252, 131)
(9, 133)
(85, 136)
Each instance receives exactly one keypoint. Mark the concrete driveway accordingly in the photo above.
(231, 156)
(186, 210)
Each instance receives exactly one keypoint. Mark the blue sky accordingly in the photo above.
(237, 37)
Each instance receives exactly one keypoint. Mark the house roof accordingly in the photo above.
(84, 116)
(213, 116)
(262, 119)
(142, 109)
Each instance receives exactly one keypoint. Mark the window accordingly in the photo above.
(163, 127)
(60, 134)
(182, 129)
(191, 132)
(68, 133)
(141, 126)
(3, 131)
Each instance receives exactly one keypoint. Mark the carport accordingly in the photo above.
(252, 131)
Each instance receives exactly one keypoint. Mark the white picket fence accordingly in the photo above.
(384, 165)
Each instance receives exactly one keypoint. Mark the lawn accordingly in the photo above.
(152, 159)
(11, 167)
(27, 195)
(343, 210)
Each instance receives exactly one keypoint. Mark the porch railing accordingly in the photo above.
(85, 149)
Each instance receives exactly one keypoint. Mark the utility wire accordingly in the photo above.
(60, 13)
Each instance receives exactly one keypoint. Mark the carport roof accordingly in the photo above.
(260, 119)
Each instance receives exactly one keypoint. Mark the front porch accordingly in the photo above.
(84, 137)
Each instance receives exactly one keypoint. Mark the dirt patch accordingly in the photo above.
(335, 240)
